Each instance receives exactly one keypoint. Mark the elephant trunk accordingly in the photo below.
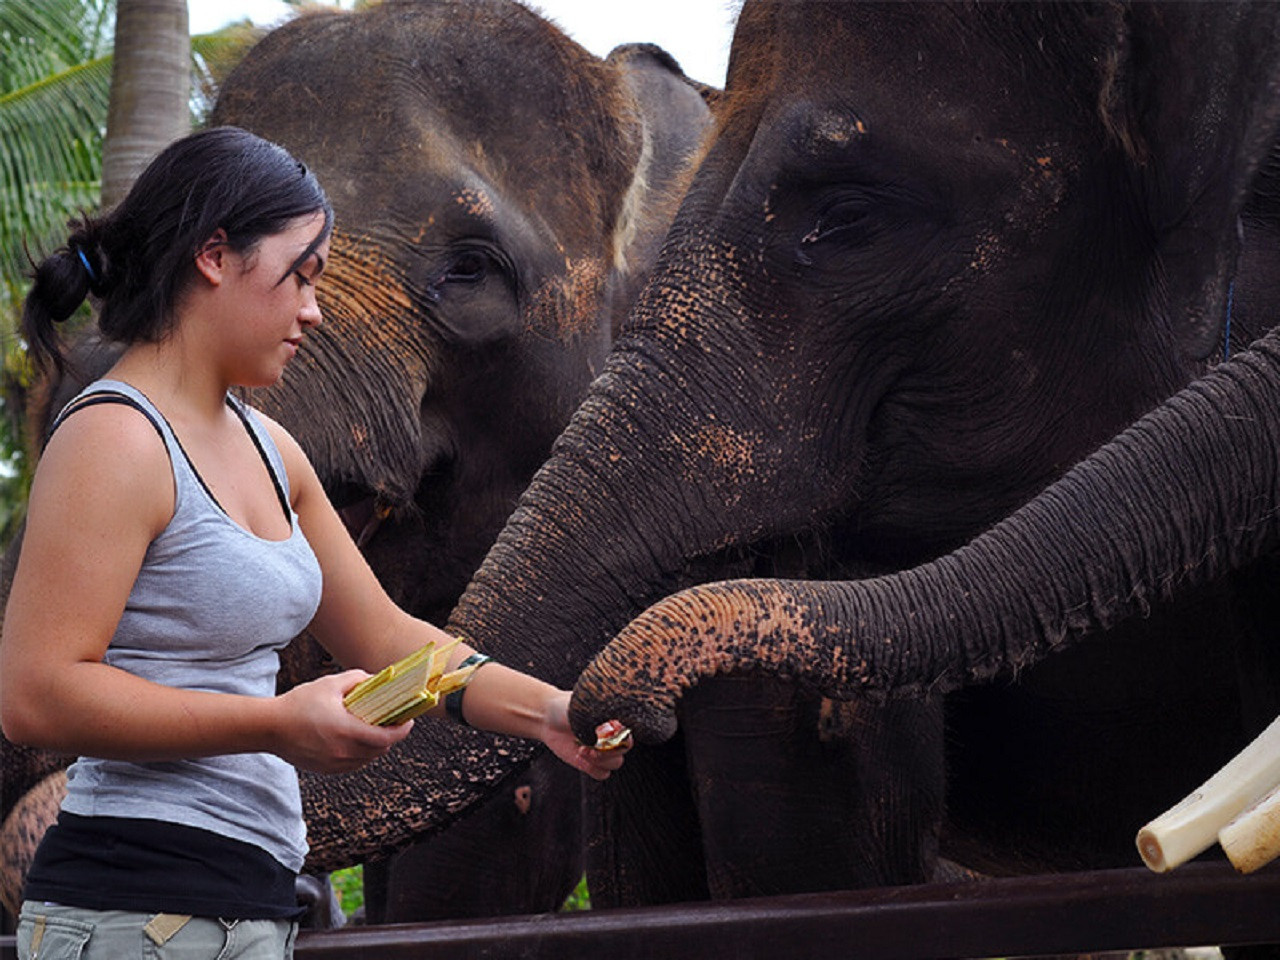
(1186, 494)
(600, 534)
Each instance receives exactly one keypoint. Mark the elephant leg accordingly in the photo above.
(641, 829)
(519, 852)
(21, 833)
(316, 896)
(798, 793)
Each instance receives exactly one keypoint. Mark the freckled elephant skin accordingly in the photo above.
(500, 195)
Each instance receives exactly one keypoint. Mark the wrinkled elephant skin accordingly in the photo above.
(935, 255)
(500, 195)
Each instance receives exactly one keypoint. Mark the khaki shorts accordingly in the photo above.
(55, 932)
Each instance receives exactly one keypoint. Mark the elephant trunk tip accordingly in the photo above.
(650, 721)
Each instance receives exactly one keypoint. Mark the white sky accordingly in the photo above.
(695, 32)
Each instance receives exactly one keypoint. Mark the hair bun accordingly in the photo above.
(87, 258)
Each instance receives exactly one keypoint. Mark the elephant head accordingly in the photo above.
(498, 191)
(499, 195)
(934, 255)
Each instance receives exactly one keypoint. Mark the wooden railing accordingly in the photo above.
(1201, 904)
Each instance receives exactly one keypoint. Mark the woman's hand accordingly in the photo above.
(319, 734)
(556, 734)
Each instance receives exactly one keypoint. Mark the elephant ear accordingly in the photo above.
(669, 115)
(1192, 96)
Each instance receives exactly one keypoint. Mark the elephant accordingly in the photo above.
(500, 194)
(934, 255)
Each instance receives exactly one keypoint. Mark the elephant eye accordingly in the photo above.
(470, 266)
(840, 220)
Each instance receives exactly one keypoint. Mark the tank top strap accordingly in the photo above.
(101, 392)
(117, 391)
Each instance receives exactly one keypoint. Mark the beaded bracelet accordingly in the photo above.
(453, 701)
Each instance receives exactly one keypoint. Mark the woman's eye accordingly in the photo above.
(303, 279)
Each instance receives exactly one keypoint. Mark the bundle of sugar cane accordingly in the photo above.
(1239, 806)
(407, 687)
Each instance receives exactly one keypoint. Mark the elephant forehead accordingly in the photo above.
(379, 100)
(954, 70)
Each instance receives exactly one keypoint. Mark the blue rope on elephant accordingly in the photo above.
(1226, 333)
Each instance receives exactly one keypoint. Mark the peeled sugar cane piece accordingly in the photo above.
(1252, 840)
(611, 735)
(1192, 826)
(408, 687)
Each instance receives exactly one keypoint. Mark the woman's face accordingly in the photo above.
(273, 295)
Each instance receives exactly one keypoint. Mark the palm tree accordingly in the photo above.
(150, 89)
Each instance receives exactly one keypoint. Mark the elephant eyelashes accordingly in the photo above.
(470, 267)
(839, 221)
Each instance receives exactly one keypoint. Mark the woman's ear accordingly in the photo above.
(211, 258)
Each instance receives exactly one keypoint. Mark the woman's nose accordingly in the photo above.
(309, 315)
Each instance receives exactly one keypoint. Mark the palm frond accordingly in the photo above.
(51, 165)
(39, 37)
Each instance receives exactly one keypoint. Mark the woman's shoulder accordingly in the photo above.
(107, 453)
(102, 424)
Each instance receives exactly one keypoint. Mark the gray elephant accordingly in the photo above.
(935, 254)
(500, 195)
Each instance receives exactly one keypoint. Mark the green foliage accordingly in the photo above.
(349, 885)
(55, 85)
(580, 899)
(55, 79)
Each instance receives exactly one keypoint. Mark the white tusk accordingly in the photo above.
(1252, 840)
(1191, 827)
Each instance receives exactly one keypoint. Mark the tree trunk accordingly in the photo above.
(150, 90)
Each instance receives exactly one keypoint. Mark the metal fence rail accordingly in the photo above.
(1199, 904)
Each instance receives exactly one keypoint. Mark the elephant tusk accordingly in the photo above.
(1190, 827)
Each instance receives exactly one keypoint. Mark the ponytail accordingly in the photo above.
(60, 284)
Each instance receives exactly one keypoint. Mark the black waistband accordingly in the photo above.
(119, 863)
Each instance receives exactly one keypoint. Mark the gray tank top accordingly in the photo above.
(210, 610)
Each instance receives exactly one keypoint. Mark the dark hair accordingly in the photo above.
(137, 259)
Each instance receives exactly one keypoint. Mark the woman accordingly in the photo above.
(175, 541)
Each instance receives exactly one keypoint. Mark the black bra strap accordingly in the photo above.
(103, 396)
(253, 435)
